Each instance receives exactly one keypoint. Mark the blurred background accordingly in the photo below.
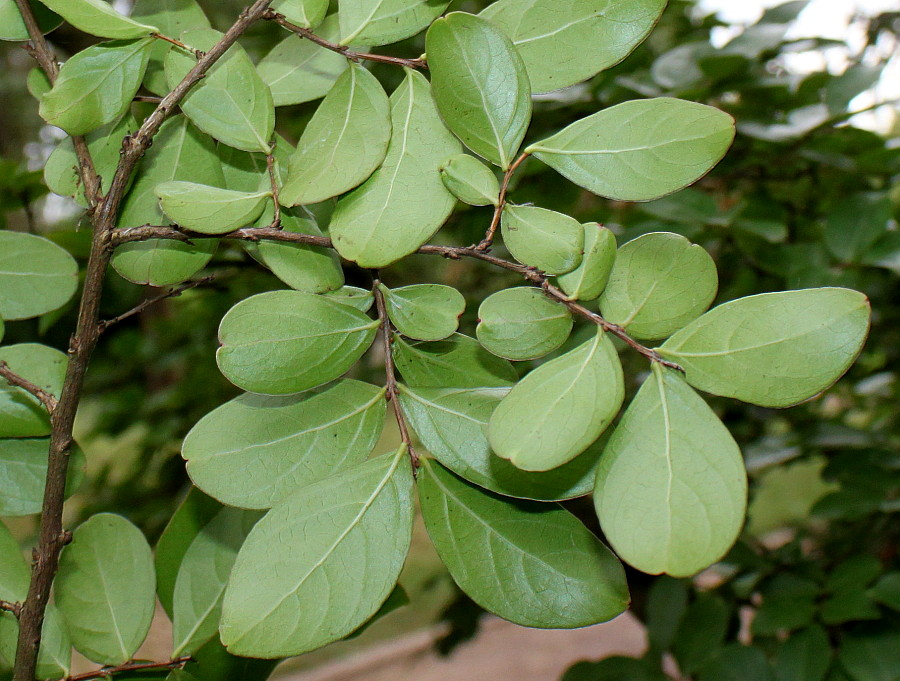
(808, 196)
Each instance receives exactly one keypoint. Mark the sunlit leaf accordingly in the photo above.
(99, 18)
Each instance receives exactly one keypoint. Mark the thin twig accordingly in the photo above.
(107, 672)
(150, 99)
(273, 182)
(344, 50)
(48, 400)
(171, 293)
(187, 48)
(14, 608)
(392, 393)
(488, 240)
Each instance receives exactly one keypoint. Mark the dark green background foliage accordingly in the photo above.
(801, 200)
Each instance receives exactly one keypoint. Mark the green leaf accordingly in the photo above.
(457, 362)
(282, 342)
(659, 283)
(21, 413)
(14, 573)
(563, 42)
(666, 604)
(96, 85)
(247, 171)
(23, 472)
(522, 323)
(179, 152)
(213, 663)
(254, 451)
(36, 276)
(452, 423)
(231, 102)
(55, 654)
(805, 656)
(344, 143)
(302, 267)
(303, 13)
(773, 349)
(788, 603)
(404, 202)
(427, 312)
(639, 150)
(479, 85)
(202, 578)
(671, 488)
(209, 210)
(381, 22)
(13, 28)
(560, 408)
(298, 70)
(195, 511)
(469, 180)
(856, 223)
(701, 633)
(107, 603)
(359, 298)
(737, 662)
(533, 564)
(588, 280)
(331, 554)
(871, 656)
(2, 328)
(615, 669)
(887, 590)
(99, 18)
(542, 238)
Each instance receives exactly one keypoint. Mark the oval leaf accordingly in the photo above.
(469, 180)
(55, 655)
(639, 150)
(230, 102)
(659, 283)
(36, 276)
(21, 413)
(385, 21)
(564, 42)
(560, 408)
(522, 323)
(303, 13)
(358, 298)
(404, 202)
(479, 85)
(107, 604)
(23, 473)
(588, 280)
(533, 564)
(343, 144)
(96, 85)
(331, 554)
(773, 349)
(545, 239)
(428, 312)
(13, 28)
(671, 488)
(282, 342)
(253, 451)
(209, 210)
(99, 18)
(457, 362)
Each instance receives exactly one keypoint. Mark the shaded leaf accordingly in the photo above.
(303, 13)
(36, 276)
(21, 413)
(588, 280)
(522, 323)
(13, 28)
(209, 210)
(456, 362)
(428, 312)
(359, 298)
(99, 18)
(23, 473)
(856, 223)
(469, 180)
(380, 22)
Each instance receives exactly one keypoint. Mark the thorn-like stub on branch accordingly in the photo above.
(65, 538)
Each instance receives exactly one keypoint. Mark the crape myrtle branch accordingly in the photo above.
(531, 274)
(488, 240)
(143, 305)
(344, 50)
(103, 214)
(273, 182)
(13, 378)
(108, 672)
(392, 394)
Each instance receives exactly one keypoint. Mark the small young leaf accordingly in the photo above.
(522, 323)
(298, 70)
(560, 408)
(457, 362)
(385, 21)
(452, 425)
(331, 554)
(343, 144)
(303, 13)
(283, 342)
(13, 28)
(404, 202)
(479, 85)
(659, 283)
(358, 298)
(533, 564)
(230, 102)
(21, 413)
(96, 86)
(563, 42)
(253, 451)
(23, 472)
(641, 149)
(588, 280)
(773, 349)
(542, 238)
(671, 488)
(106, 588)
(469, 180)
(209, 210)
(36, 276)
(427, 312)
(99, 18)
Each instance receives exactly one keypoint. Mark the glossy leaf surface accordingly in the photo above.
(21, 413)
(99, 18)
(541, 238)
(209, 210)
(522, 323)
(427, 312)
(379, 22)
(469, 180)
(456, 362)
(36, 275)
(588, 280)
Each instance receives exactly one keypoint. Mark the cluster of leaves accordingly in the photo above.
(302, 537)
